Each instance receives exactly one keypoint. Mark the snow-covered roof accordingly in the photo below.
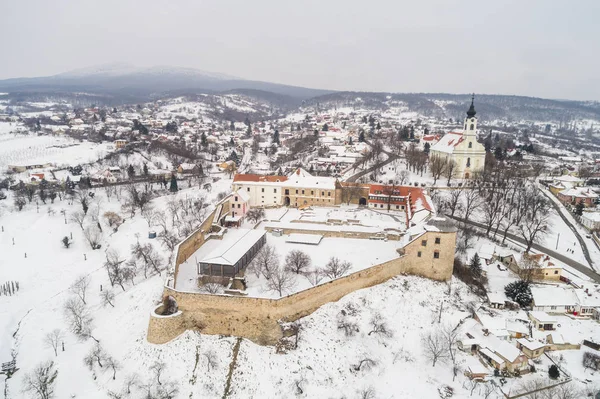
(302, 179)
(448, 142)
(487, 352)
(531, 345)
(542, 317)
(235, 244)
(243, 194)
(313, 239)
(553, 296)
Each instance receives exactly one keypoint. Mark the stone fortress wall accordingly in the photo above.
(258, 318)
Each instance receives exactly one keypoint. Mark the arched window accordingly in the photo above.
(465, 126)
(472, 126)
(470, 144)
(468, 162)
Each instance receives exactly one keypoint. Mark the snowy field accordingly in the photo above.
(29, 149)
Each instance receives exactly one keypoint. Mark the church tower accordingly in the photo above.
(471, 121)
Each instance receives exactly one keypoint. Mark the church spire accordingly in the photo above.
(471, 112)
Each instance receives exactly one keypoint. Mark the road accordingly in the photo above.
(391, 158)
(565, 259)
(558, 209)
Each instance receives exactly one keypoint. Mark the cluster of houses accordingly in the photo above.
(507, 341)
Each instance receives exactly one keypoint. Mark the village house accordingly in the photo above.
(462, 147)
(239, 206)
(531, 349)
(542, 321)
(496, 352)
(591, 220)
(553, 299)
(120, 143)
(188, 169)
(575, 195)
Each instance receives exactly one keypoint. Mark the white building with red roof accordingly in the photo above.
(462, 147)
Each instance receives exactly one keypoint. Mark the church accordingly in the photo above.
(462, 147)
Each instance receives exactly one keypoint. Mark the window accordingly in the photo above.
(239, 206)
(397, 207)
(275, 190)
(424, 243)
(472, 126)
(287, 191)
(312, 192)
(438, 240)
(419, 254)
(329, 193)
(262, 190)
(552, 307)
(296, 191)
(468, 162)
(470, 144)
(322, 193)
(436, 255)
(235, 199)
(302, 192)
(248, 189)
(556, 272)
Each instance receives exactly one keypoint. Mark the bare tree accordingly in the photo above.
(379, 326)
(40, 381)
(265, 260)
(158, 367)
(402, 177)
(53, 340)
(454, 201)
(350, 191)
(93, 236)
(315, 276)
(96, 355)
(437, 165)
(472, 203)
(297, 261)
(114, 267)
(78, 318)
(78, 217)
(254, 215)
(150, 259)
(434, 346)
(108, 297)
(349, 327)
(367, 393)
(336, 268)
(537, 217)
(365, 363)
(451, 170)
(212, 288)
(211, 359)
(131, 380)
(80, 287)
(281, 280)
(451, 336)
(112, 364)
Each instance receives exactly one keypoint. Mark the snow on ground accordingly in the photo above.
(32, 149)
(45, 275)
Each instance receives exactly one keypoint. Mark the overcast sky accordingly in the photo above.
(545, 48)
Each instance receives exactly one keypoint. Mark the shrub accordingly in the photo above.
(553, 372)
(465, 274)
(520, 292)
